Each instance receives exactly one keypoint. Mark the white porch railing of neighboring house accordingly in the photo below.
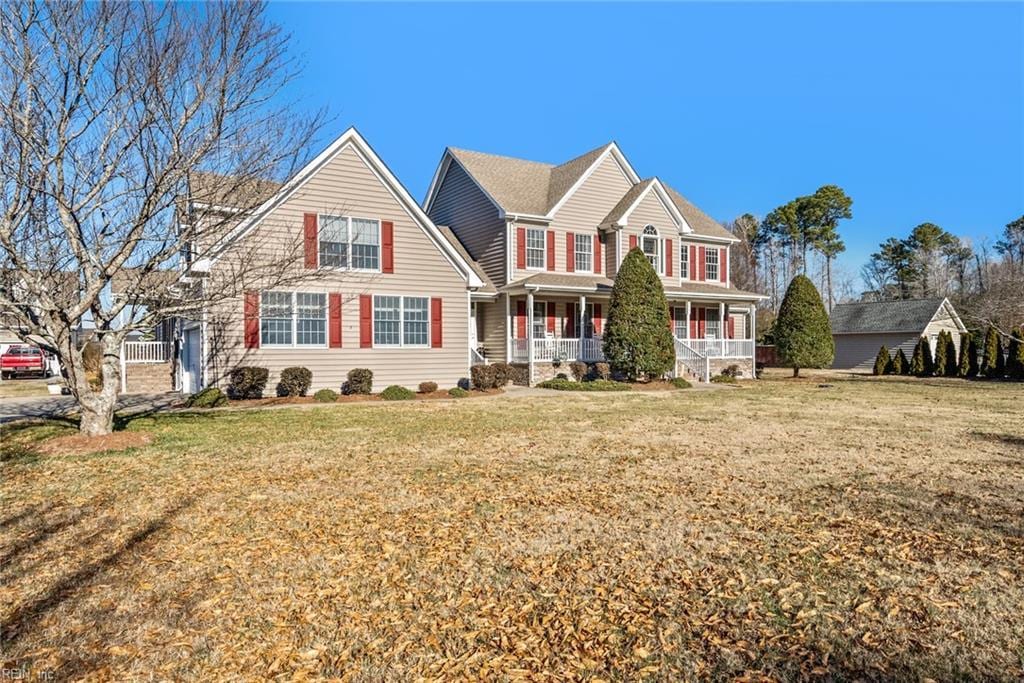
(587, 349)
(145, 352)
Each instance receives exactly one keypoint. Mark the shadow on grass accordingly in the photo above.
(1007, 439)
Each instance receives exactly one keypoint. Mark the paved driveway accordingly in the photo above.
(55, 406)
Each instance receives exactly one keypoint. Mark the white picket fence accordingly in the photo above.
(145, 352)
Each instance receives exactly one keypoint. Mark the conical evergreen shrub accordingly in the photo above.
(918, 364)
(1000, 360)
(973, 369)
(803, 336)
(637, 338)
(993, 350)
(950, 368)
(1015, 356)
(963, 365)
(940, 354)
(883, 364)
(900, 364)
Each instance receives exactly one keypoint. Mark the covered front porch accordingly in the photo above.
(548, 328)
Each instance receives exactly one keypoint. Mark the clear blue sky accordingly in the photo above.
(916, 110)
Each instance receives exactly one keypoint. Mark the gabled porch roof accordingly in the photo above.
(602, 286)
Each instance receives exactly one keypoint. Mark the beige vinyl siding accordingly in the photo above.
(650, 211)
(689, 240)
(610, 252)
(583, 211)
(464, 208)
(739, 325)
(491, 328)
(347, 186)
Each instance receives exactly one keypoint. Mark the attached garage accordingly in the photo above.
(860, 329)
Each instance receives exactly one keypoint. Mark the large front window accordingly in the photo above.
(584, 248)
(400, 321)
(347, 242)
(535, 249)
(293, 319)
(651, 245)
(711, 264)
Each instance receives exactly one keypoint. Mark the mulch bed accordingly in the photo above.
(79, 444)
(350, 398)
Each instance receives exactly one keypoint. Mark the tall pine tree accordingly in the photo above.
(803, 336)
(637, 338)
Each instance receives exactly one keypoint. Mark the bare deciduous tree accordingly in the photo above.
(106, 112)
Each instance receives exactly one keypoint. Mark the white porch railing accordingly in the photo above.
(146, 352)
(694, 361)
(476, 358)
(564, 348)
(721, 348)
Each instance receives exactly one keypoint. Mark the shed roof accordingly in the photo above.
(911, 315)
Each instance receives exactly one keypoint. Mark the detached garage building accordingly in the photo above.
(859, 330)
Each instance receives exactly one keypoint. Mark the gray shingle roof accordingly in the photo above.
(627, 201)
(912, 315)
(488, 286)
(603, 285)
(701, 223)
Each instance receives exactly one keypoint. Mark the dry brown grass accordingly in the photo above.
(871, 529)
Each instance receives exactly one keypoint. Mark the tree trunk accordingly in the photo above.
(796, 372)
(97, 414)
(828, 277)
(96, 405)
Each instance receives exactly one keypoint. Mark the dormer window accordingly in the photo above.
(650, 243)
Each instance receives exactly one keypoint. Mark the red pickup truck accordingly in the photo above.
(20, 359)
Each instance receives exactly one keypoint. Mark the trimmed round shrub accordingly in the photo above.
(210, 397)
(458, 392)
(483, 376)
(578, 370)
(600, 370)
(294, 381)
(519, 375)
(803, 335)
(248, 382)
(360, 381)
(428, 387)
(680, 383)
(396, 393)
(883, 363)
(502, 373)
(326, 396)
(561, 375)
(723, 379)
(595, 385)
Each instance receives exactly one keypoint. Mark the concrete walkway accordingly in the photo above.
(61, 406)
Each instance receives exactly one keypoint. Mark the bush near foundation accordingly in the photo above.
(397, 393)
(294, 382)
(248, 382)
(360, 381)
(326, 396)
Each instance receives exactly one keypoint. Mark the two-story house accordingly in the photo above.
(550, 239)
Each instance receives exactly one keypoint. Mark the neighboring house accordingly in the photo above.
(861, 329)
(549, 240)
(387, 289)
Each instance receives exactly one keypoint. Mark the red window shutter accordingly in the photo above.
(334, 319)
(570, 320)
(723, 265)
(570, 252)
(694, 313)
(632, 242)
(597, 254)
(732, 327)
(310, 239)
(551, 317)
(693, 262)
(435, 323)
(387, 247)
(365, 321)
(520, 319)
(520, 247)
(670, 256)
(597, 319)
(551, 249)
(702, 272)
(252, 320)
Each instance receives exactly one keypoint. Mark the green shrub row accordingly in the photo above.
(591, 385)
(944, 361)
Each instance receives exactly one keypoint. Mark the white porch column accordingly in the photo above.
(753, 338)
(581, 316)
(529, 337)
(721, 326)
(687, 319)
(509, 322)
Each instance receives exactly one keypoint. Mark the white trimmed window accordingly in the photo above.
(712, 324)
(350, 243)
(293, 319)
(684, 261)
(588, 321)
(401, 320)
(711, 264)
(540, 319)
(536, 249)
(651, 245)
(583, 245)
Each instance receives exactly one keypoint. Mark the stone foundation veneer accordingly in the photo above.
(746, 366)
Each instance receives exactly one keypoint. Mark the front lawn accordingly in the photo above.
(864, 529)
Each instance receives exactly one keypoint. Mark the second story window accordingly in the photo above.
(347, 242)
(535, 254)
(711, 264)
(584, 247)
(651, 245)
(684, 261)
